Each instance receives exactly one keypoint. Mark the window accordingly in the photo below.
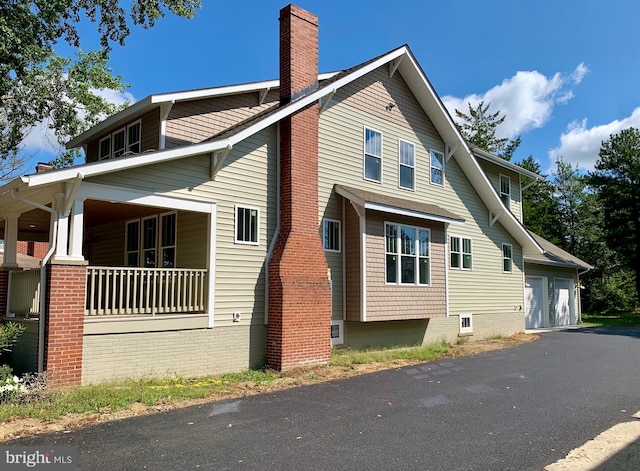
(437, 167)
(507, 258)
(407, 165)
(460, 253)
(246, 225)
(466, 324)
(336, 332)
(331, 235)
(133, 138)
(505, 190)
(118, 140)
(142, 240)
(125, 140)
(168, 240)
(132, 243)
(372, 155)
(407, 255)
(105, 148)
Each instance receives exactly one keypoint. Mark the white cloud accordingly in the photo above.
(42, 142)
(527, 99)
(580, 144)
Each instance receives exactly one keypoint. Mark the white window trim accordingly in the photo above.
(108, 156)
(412, 167)
(501, 176)
(399, 254)
(340, 339)
(461, 253)
(507, 258)
(325, 221)
(139, 141)
(235, 226)
(466, 330)
(158, 247)
(431, 167)
(364, 154)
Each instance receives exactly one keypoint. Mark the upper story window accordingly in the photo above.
(372, 155)
(331, 235)
(507, 258)
(146, 246)
(407, 255)
(460, 253)
(407, 170)
(505, 190)
(247, 224)
(123, 141)
(437, 167)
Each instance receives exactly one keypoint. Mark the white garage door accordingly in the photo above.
(563, 295)
(534, 297)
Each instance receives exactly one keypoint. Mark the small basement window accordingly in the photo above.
(337, 328)
(466, 324)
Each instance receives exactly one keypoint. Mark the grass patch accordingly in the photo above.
(348, 357)
(618, 319)
(114, 397)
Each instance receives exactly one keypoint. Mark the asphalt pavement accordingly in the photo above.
(520, 409)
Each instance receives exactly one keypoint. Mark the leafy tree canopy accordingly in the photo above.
(37, 84)
(479, 128)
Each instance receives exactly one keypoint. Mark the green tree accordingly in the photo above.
(37, 84)
(616, 178)
(479, 128)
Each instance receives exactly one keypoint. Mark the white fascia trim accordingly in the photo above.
(124, 195)
(161, 98)
(410, 213)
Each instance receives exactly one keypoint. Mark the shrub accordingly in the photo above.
(9, 334)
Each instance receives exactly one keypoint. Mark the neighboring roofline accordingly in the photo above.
(152, 101)
(537, 261)
(499, 161)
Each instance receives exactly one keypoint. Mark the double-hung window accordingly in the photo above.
(247, 225)
(133, 138)
(460, 253)
(331, 235)
(507, 258)
(437, 167)
(407, 255)
(372, 155)
(505, 190)
(149, 237)
(407, 170)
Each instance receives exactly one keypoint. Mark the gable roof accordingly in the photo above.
(400, 60)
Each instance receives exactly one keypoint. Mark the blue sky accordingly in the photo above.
(565, 73)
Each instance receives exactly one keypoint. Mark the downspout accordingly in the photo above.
(53, 230)
(276, 232)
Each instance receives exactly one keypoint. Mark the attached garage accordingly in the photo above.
(550, 295)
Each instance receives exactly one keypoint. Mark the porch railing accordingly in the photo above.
(24, 292)
(150, 291)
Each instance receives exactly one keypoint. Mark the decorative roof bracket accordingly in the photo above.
(262, 95)
(217, 159)
(324, 101)
(450, 150)
(494, 216)
(393, 66)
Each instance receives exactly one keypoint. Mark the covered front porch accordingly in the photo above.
(139, 262)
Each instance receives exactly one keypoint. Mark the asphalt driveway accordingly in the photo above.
(516, 409)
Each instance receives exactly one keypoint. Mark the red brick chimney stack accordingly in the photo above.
(299, 327)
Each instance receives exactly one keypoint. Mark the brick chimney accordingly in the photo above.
(298, 331)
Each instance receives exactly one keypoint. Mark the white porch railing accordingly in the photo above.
(24, 292)
(128, 291)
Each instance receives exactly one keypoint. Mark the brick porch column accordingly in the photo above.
(66, 289)
(298, 331)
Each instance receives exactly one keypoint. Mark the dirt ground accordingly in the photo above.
(16, 428)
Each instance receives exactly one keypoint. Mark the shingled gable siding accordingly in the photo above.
(150, 139)
(194, 121)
